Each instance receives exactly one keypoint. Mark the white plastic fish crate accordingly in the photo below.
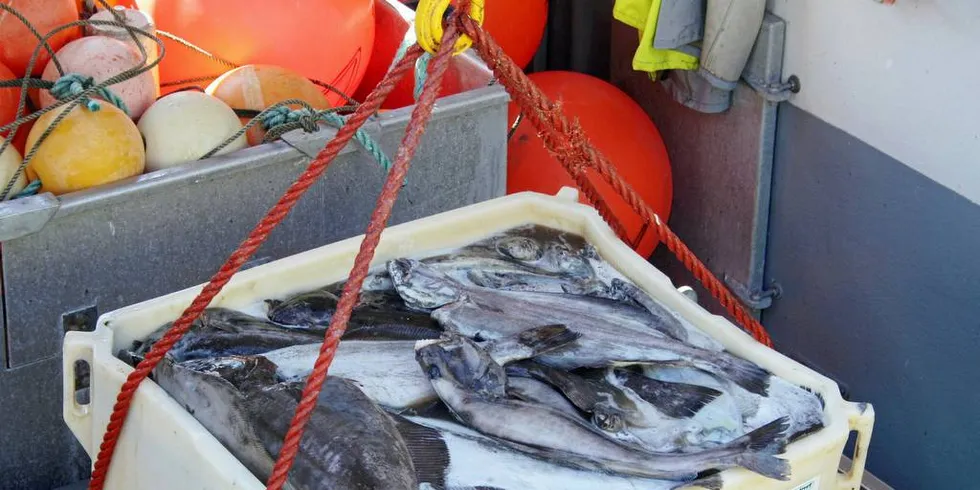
(164, 447)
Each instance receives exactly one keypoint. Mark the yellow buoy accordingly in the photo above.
(86, 149)
(9, 162)
(185, 126)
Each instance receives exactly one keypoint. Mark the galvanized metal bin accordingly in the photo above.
(164, 447)
(67, 258)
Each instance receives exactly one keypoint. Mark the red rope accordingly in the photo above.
(563, 139)
(566, 141)
(352, 289)
(240, 256)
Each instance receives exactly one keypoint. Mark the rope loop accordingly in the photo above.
(72, 85)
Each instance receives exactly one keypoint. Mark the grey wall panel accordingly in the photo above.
(881, 288)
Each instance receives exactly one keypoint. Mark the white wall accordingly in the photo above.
(904, 78)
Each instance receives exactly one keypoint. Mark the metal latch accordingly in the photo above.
(775, 92)
(757, 300)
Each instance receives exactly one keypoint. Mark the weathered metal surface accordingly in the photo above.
(721, 165)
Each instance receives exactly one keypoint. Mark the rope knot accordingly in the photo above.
(282, 115)
(72, 85)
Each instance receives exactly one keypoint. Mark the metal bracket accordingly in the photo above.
(80, 320)
(757, 300)
(764, 69)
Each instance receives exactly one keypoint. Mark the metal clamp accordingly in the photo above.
(757, 300)
(776, 92)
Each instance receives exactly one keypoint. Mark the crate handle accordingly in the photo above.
(77, 412)
(861, 419)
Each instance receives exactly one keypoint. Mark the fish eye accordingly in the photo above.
(434, 372)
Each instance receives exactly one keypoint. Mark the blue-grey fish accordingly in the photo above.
(387, 371)
(349, 442)
(612, 333)
(221, 332)
(474, 388)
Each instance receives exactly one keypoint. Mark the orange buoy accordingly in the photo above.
(16, 41)
(258, 87)
(619, 128)
(327, 41)
(391, 24)
(86, 149)
(517, 26)
(9, 97)
(103, 57)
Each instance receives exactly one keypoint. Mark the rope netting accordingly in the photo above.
(564, 139)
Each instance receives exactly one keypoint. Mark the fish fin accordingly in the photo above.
(758, 450)
(547, 338)
(677, 400)
(429, 452)
(712, 482)
(746, 374)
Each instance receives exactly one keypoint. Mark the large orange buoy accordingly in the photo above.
(9, 98)
(86, 149)
(517, 26)
(102, 58)
(619, 128)
(258, 87)
(328, 41)
(391, 25)
(16, 41)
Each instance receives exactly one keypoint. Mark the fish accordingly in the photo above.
(349, 441)
(221, 332)
(607, 406)
(678, 400)
(378, 315)
(612, 333)
(534, 391)
(387, 371)
(456, 364)
(454, 457)
(671, 323)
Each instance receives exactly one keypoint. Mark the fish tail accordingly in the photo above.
(547, 338)
(712, 482)
(746, 374)
(429, 452)
(757, 450)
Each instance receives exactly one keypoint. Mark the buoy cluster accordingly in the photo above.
(181, 109)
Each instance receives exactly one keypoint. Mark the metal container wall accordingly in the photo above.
(66, 259)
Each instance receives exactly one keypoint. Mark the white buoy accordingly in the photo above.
(184, 126)
(9, 162)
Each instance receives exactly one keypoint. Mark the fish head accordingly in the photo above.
(519, 248)
(560, 259)
(242, 372)
(422, 286)
(460, 360)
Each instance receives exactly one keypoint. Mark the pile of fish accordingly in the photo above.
(522, 361)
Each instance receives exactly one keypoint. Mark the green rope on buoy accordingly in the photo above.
(282, 115)
(72, 84)
(30, 190)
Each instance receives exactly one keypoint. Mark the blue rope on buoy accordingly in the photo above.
(30, 190)
(308, 120)
(72, 84)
